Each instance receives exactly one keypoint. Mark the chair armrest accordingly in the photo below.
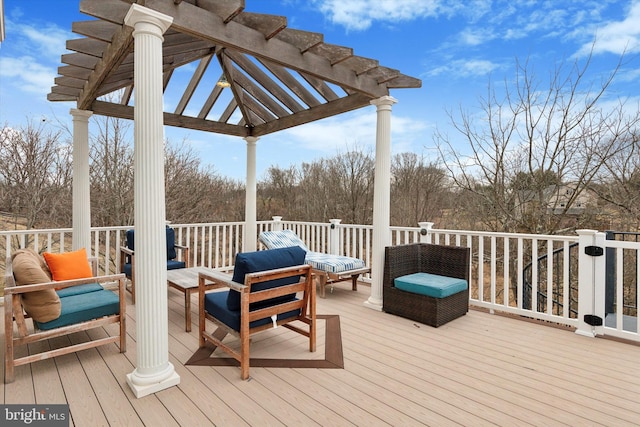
(18, 290)
(185, 254)
(220, 279)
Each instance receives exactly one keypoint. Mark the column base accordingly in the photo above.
(373, 304)
(144, 386)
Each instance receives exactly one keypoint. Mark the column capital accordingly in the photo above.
(251, 139)
(383, 100)
(80, 114)
(143, 14)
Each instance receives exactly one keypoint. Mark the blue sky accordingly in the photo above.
(455, 47)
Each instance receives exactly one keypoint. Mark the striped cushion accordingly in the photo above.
(317, 260)
(281, 239)
(332, 263)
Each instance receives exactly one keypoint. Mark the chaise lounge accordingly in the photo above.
(327, 268)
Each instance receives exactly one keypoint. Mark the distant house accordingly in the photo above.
(561, 196)
(558, 199)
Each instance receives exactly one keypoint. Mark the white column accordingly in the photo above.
(250, 225)
(81, 182)
(153, 370)
(381, 198)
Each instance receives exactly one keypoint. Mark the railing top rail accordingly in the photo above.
(510, 235)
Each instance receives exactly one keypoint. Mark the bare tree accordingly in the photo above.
(111, 172)
(418, 190)
(350, 180)
(619, 185)
(35, 175)
(533, 131)
(194, 193)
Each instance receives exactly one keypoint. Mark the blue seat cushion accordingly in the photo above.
(333, 263)
(171, 265)
(82, 307)
(215, 303)
(171, 242)
(431, 285)
(252, 262)
(77, 290)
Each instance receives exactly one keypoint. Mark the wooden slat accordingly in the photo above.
(193, 84)
(98, 29)
(126, 112)
(225, 9)
(269, 25)
(260, 95)
(303, 40)
(334, 53)
(87, 46)
(291, 83)
(263, 79)
(342, 105)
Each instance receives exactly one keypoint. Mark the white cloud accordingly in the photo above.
(28, 74)
(619, 36)
(332, 134)
(360, 14)
(462, 68)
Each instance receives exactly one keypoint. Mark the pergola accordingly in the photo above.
(277, 77)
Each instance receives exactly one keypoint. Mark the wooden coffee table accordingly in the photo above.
(185, 280)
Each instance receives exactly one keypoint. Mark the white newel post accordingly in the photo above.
(425, 231)
(334, 237)
(277, 223)
(250, 215)
(153, 371)
(81, 184)
(591, 282)
(381, 198)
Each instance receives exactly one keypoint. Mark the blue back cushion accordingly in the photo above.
(171, 242)
(252, 262)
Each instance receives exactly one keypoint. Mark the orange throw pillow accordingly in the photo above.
(68, 265)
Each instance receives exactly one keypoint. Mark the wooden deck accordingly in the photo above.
(480, 369)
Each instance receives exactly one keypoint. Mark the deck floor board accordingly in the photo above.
(480, 369)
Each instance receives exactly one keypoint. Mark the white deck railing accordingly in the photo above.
(530, 275)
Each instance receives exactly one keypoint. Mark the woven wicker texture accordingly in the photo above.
(450, 261)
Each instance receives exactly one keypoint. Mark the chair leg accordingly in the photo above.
(354, 282)
(133, 291)
(322, 283)
(9, 375)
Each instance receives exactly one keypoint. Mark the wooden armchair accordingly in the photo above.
(62, 307)
(278, 290)
(128, 264)
(445, 262)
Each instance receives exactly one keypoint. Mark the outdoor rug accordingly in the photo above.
(332, 352)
